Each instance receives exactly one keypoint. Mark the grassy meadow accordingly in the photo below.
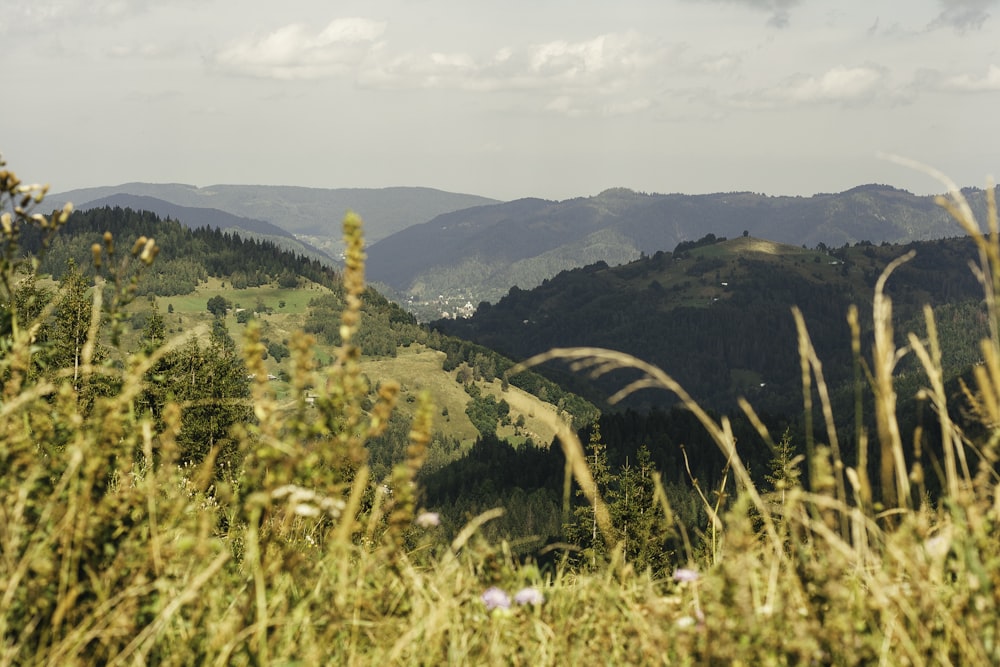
(415, 367)
(112, 553)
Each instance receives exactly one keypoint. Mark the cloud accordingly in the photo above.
(963, 15)
(577, 107)
(779, 9)
(143, 51)
(838, 85)
(296, 51)
(20, 16)
(723, 64)
(601, 65)
(971, 83)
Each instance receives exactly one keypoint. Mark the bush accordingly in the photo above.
(218, 305)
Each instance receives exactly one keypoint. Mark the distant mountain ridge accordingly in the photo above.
(488, 249)
(312, 215)
(212, 218)
(425, 242)
(189, 216)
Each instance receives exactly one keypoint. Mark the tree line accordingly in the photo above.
(187, 256)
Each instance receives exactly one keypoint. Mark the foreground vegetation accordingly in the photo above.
(119, 547)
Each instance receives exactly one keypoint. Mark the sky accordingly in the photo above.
(520, 98)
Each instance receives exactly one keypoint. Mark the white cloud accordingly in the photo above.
(990, 82)
(627, 107)
(600, 65)
(296, 51)
(564, 105)
(577, 107)
(30, 14)
(720, 64)
(838, 85)
(28, 20)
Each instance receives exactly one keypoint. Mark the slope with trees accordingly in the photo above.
(718, 316)
(482, 252)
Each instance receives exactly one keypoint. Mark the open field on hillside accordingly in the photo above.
(416, 367)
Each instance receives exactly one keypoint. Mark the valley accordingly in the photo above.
(250, 374)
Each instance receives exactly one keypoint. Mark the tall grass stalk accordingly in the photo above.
(113, 552)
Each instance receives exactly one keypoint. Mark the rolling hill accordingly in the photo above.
(285, 292)
(717, 314)
(310, 214)
(212, 218)
(481, 252)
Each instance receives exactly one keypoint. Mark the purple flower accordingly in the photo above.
(685, 574)
(495, 598)
(530, 595)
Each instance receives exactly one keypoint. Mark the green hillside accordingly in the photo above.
(717, 314)
(478, 254)
(282, 293)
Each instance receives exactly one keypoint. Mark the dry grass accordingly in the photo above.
(112, 554)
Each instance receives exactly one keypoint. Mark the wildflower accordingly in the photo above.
(530, 595)
(685, 622)
(305, 502)
(495, 598)
(428, 519)
(685, 574)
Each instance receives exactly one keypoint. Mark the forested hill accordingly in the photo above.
(211, 218)
(717, 314)
(187, 256)
(311, 214)
(245, 269)
(481, 252)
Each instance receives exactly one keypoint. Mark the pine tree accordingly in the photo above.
(155, 331)
(71, 325)
(212, 388)
(584, 531)
(785, 473)
(645, 530)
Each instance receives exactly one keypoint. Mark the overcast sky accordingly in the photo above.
(546, 98)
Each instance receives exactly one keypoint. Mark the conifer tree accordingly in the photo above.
(210, 385)
(584, 530)
(645, 530)
(71, 325)
(785, 473)
(154, 332)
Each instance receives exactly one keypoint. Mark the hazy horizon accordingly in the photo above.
(555, 99)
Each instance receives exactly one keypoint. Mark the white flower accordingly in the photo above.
(685, 574)
(530, 595)
(428, 519)
(495, 598)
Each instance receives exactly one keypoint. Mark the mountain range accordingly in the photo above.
(483, 251)
(195, 217)
(312, 215)
(426, 243)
